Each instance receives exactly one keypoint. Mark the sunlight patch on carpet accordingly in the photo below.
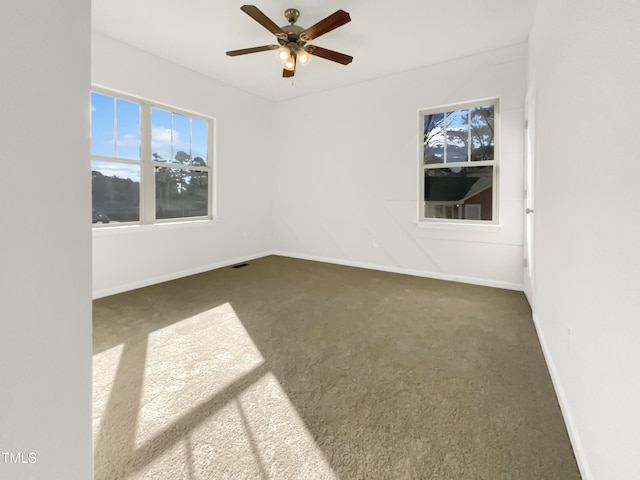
(105, 367)
(280, 437)
(196, 400)
(190, 361)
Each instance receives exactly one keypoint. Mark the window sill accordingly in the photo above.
(109, 229)
(477, 227)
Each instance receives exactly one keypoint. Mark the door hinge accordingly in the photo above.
(524, 263)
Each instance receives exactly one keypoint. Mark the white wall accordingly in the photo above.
(585, 65)
(351, 198)
(45, 240)
(346, 173)
(131, 257)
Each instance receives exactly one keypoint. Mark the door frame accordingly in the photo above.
(529, 195)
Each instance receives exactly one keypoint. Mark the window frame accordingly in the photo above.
(423, 167)
(147, 199)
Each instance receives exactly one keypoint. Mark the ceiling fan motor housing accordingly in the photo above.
(294, 32)
(291, 14)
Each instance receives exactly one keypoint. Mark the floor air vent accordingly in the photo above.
(240, 265)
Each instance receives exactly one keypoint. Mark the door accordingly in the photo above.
(529, 190)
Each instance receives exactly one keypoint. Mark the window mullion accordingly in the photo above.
(100, 158)
(115, 128)
(445, 138)
(478, 163)
(147, 206)
(172, 138)
(211, 207)
(469, 139)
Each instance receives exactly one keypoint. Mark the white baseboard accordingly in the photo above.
(105, 292)
(406, 271)
(574, 436)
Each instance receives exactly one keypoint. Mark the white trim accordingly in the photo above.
(405, 271)
(569, 421)
(105, 292)
(457, 105)
(97, 87)
(468, 225)
(467, 164)
(529, 185)
(129, 227)
(225, 263)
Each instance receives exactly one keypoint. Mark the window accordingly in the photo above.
(459, 163)
(150, 163)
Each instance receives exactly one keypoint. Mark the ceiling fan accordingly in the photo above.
(292, 40)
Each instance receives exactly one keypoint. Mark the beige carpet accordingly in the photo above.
(290, 369)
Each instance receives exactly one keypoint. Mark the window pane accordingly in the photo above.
(181, 139)
(102, 125)
(128, 125)
(433, 138)
(160, 135)
(457, 142)
(116, 192)
(181, 193)
(482, 136)
(459, 193)
(199, 133)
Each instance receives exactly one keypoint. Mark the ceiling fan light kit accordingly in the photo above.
(292, 39)
(284, 53)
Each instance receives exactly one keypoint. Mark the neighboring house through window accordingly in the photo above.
(149, 162)
(459, 163)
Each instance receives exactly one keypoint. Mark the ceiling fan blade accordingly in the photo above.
(329, 54)
(333, 21)
(244, 51)
(255, 13)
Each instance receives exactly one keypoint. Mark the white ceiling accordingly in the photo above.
(384, 37)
